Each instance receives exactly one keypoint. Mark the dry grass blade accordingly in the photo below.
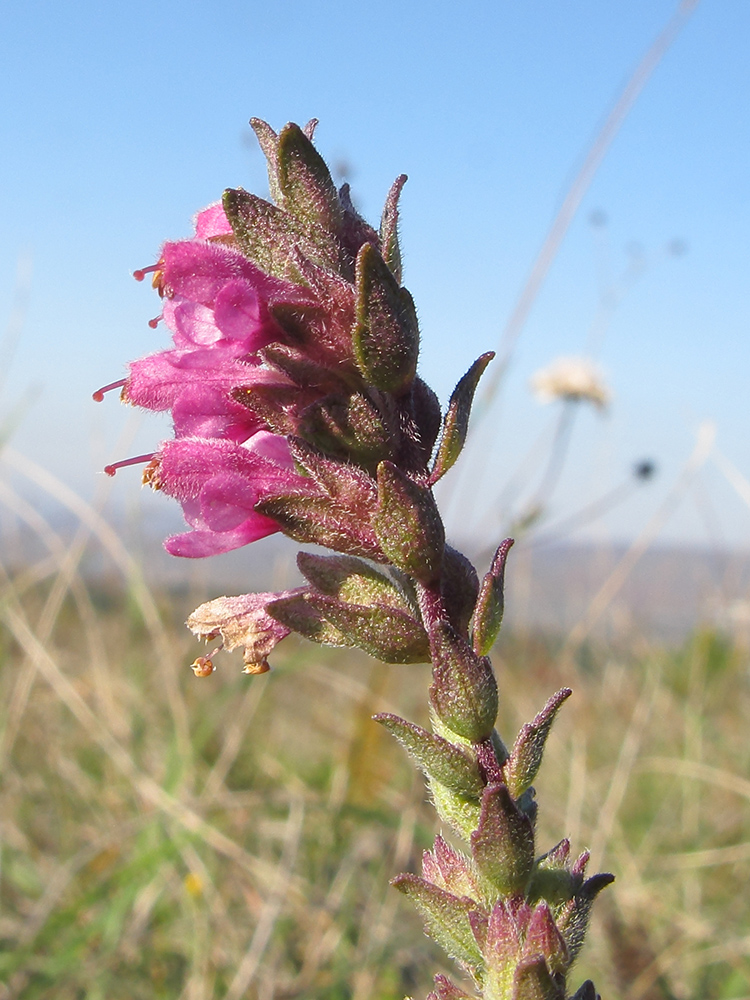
(117, 550)
(626, 759)
(695, 771)
(708, 858)
(273, 905)
(232, 742)
(65, 563)
(145, 786)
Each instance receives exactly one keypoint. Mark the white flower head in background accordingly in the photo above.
(573, 380)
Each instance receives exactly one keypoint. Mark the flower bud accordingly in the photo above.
(463, 694)
(408, 525)
(503, 843)
(386, 333)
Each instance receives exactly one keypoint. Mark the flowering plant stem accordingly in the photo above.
(292, 383)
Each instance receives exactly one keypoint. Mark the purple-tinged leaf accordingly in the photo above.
(446, 918)
(438, 758)
(526, 756)
(456, 422)
(447, 990)
(459, 586)
(343, 482)
(426, 411)
(268, 141)
(347, 427)
(299, 367)
(389, 244)
(305, 181)
(488, 613)
(385, 633)
(298, 615)
(352, 581)
(532, 981)
(273, 239)
(321, 521)
(456, 871)
(544, 938)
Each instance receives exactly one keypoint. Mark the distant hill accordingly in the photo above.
(668, 593)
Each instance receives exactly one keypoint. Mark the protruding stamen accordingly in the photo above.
(138, 460)
(257, 668)
(153, 323)
(98, 396)
(141, 273)
(203, 666)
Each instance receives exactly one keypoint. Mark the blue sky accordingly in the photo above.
(119, 121)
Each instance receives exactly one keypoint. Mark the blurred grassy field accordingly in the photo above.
(164, 836)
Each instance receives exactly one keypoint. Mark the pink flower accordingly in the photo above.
(216, 303)
(223, 460)
(218, 483)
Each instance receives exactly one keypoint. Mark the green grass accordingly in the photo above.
(164, 836)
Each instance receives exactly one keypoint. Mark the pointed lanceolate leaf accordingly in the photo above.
(438, 758)
(321, 521)
(309, 128)
(543, 938)
(344, 482)
(488, 612)
(446, 918)
(587, 991)
(503, 939)
(297, 614)
(532, 981)
(450, 869)
(456, 423)
(306, 184)
(408, 525)
(463, 694)
(503, 843)
(386, 333)
(275, 405)
(385, 633)
(268, 142)
(351, 581)
(389, 244)
(575, 917)
(446, 990)
(272, 238)
(526, 755)
(301, 369)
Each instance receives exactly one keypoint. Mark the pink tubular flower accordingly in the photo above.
(216, 303)
(218, 483)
